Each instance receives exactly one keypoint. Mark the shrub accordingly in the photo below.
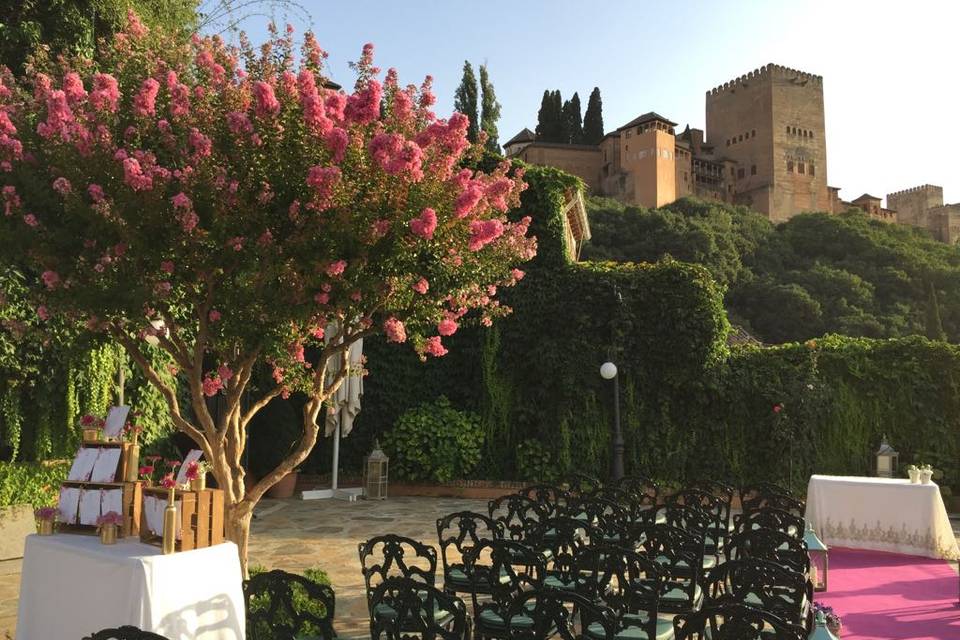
(33, 484)
(301, 603)
(435, 442)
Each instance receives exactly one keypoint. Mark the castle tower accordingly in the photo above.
(648, 156)
(771, 123)
(913, 205)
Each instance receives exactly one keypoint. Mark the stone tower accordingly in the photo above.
(771, 123)
(913, 205)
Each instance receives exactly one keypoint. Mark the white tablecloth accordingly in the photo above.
(882, 514)
(72, 586)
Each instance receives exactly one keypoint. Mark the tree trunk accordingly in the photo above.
(237, 521)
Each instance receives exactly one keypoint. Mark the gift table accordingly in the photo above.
(72, 586)
(881, 514)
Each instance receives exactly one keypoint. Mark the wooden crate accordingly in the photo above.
(124, 454)
(132, 501)
(202, 518)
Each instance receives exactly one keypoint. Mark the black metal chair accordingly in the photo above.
(552, 498)
(392, 556)
(283, 605)
(776, 501)
(694, 519)
(608, 516)
(125, 633)
(514, 568)
(770, 518)
(758, 489)
(628, 584)
(582, 484)
(642, 488)
(734, 622)
(561, 540)
(769, 544)
(407, 609)
(679, 555)
(518, 514)
(550, 613)
(762, 584)
(463, 531)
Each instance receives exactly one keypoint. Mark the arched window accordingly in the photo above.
(789, 166)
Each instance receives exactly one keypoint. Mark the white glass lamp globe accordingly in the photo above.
(608, 371)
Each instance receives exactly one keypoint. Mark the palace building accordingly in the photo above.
(764, 147)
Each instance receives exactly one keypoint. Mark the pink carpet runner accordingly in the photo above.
(885, 596)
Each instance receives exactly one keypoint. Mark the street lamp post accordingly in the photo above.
(608, 371)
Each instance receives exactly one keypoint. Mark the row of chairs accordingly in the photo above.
(588, 550)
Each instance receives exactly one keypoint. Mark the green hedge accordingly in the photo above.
(30, 483)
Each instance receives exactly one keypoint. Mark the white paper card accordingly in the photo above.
(83, 465)
(89, 506)
(69, 498)
(112, 500)
(150, 512)
(193, 456)
(116, 418)
(105, 469)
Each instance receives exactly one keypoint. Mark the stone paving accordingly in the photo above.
(295, 535)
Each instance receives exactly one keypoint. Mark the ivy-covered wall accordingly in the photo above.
(691, 406)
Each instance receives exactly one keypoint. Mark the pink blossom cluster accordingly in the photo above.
(397, 155)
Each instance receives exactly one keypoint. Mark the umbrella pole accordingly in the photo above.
(336, 457)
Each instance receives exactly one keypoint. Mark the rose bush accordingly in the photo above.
(231, 207)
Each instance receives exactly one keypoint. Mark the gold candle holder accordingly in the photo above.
(45, 527)
(200, 484)
(108, 534)
(133, 462)
(170, 524)
(91, 435)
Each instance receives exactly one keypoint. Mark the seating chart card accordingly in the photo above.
(111, 500)
(83, 465)
(105, 468)
(69, 499)
(153, 508)
(89, 506)
(116, 418)
(193, 456)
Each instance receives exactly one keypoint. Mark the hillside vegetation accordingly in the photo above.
(818, 273)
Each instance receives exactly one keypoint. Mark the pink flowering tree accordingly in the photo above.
(230, 207)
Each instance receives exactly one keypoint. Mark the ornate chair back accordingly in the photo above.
(518, 514)
(764, 584)
(582, 484)
(388, 556)
(417, 611)
(625, 581)
(281, 604)
(776, 501)
(734, 622)
(457, 533)
(679, 555)
(770, 518)
(769, 544)
(552, 498)
(760, 489)
(608, 516)
(551, 613)
(563, 539)
(514, 568)
(643, 489)
(124, 633)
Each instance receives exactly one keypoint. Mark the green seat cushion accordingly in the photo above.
(709, 562)
(553, 582)
(680, 596)
(631, 632)
(386, 612)
(490, 619)
(457, 578)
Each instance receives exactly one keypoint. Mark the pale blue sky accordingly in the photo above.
(891, 69)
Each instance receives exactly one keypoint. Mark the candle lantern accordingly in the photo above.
(887, 459)
(819, 563)
(375, 474)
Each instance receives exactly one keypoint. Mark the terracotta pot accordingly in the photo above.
(285, 487)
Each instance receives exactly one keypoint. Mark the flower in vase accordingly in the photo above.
(173, 464)
(193, 470)
(46, 513)
(110, 517)
(168, 481)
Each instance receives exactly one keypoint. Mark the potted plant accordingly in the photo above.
(914, 472)
(926, 473)
(196, 474)
(46, 518)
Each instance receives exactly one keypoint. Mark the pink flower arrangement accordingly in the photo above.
(168, 481)
(49, 514)
(110, 517)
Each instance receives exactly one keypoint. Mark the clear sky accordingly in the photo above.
(891, 69)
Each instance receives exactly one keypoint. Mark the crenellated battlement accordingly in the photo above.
(923, 187)
(765, 72)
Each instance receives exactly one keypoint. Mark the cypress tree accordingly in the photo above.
(543, 117)
(556, 114)
(489, 110)
(572, 121)
(934, 323)
(593, 119)
(465, 100)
